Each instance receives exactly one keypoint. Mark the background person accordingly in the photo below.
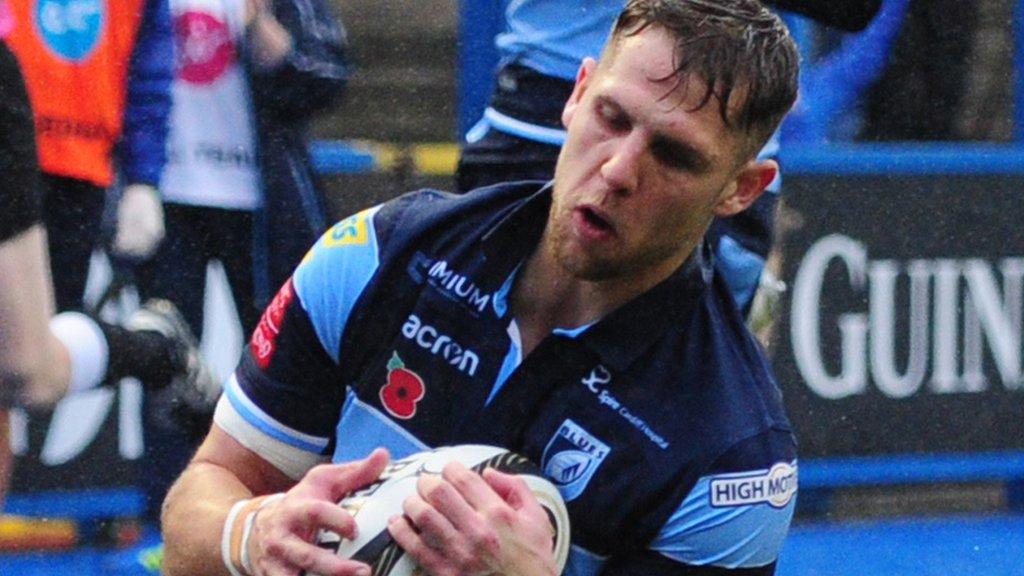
(513, 316)
(238, 186)
(236, 146)
(98, 76)
(42, 358)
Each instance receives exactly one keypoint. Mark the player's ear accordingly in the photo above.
(747, 187)
(583, 76)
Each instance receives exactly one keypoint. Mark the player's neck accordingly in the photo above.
(546, 296)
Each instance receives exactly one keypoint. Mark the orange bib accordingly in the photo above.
(75, 56)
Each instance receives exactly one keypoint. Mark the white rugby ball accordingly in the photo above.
(373, 505)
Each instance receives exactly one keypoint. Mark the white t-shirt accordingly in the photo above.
(211, 148)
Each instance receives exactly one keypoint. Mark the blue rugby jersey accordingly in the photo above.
(660, 424)
(554, 37)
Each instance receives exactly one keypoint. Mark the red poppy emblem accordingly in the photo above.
(403, 390)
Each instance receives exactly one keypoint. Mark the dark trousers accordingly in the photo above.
(195, 235)
(73, 214)
(500, 157)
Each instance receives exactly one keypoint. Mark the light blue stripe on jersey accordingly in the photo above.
(363, 428)
(741, 269)
(514, 356)
(267, 425)
(331, 278)
(738, 536)
(571, 332)
(510, 125)
(500, 300)
(583, 562)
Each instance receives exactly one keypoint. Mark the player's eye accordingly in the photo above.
(671, 156)
(612, 116)
(677, 157)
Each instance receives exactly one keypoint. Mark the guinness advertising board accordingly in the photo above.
(901, 328)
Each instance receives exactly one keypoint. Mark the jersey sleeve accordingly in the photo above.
(284, 398)
(733, 521)
(20, 188)
(148, 101)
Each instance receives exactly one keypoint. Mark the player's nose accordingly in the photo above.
(621, 170)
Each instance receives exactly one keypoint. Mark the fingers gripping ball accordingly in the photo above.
(373, 505)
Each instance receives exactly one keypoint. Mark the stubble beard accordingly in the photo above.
(598, 265)
(581, 264)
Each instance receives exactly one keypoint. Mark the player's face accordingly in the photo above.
(642, 172)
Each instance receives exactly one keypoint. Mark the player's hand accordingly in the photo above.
(140, 222)
(462, 523)
(256, 9)
(283, 533)
(269, 41)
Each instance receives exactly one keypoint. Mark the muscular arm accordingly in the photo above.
(272, 428)
(34, 366)
(276, 421)
(224, 472)
(32, 360)
(198, 503)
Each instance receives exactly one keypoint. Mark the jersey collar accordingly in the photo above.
(622, 336)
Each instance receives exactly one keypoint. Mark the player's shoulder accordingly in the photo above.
(423, 209)
(347, 238)
(372, 233)
(739, 380)
(334, 273)
(342, 264)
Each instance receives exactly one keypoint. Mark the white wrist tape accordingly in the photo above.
(226, 536)
(234, 540)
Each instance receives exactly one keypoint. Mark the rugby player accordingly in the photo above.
(578, 322)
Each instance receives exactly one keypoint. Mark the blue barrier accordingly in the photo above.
(903, 159)
(912, 469)
(334, 157)
(80, 505)
(479, 22)
(341, 157)
(832, 84)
